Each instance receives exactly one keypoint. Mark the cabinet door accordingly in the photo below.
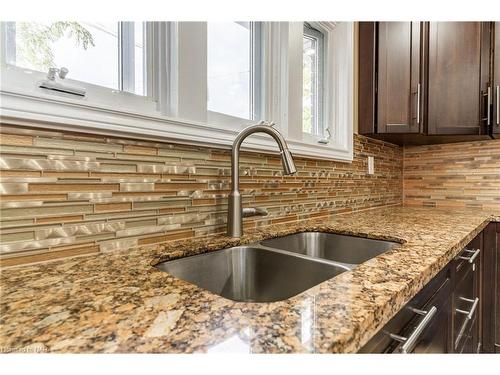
(367, 77)
(489, 287)
(399, 89)
(496, 82)
(457, 84)
(497, 291)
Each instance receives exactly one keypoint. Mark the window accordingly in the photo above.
(132, 57)
(110, 55)
(189, 82)
(233, 68)
(312, 81)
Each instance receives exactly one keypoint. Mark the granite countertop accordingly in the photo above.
(118, 302)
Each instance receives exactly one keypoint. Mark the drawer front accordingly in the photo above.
(468, 259)
(425, 320)
(429, 325)
(468, 344)
(466, 303)
(434, 339)
(464, 309)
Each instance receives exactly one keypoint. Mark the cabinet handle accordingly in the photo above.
(498, 105)
(488, 106)
(418, 104)
(472, 258)
(470, 315)
(410, 341)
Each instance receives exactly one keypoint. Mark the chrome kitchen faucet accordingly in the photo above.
(235, 211)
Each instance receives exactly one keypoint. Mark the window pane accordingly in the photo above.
(229, 68)
(312, 84)
(139, 58)
(308, 85)
(88, 50)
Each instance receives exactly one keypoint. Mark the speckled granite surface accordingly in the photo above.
(117, 302)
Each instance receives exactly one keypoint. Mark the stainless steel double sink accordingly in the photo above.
(277, 268)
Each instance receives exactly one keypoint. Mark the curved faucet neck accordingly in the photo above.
(235, 153)
(235, 218)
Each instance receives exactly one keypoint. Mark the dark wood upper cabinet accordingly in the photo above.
(496, 80)
(427, 82)
(367, 77)
(399, 87)
(458, 81)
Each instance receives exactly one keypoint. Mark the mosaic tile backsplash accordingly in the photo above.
(67, 194)
(464, 175)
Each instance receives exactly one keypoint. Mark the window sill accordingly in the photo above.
(71, 115)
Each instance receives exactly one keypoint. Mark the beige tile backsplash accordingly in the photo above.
(453, 175)
(67, 194)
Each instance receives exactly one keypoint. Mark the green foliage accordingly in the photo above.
(307, 92)
(36, 49)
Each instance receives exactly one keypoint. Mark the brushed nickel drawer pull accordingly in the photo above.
(488, 106)
(410, 341)
(472, 258)
(470, 315)
(418, 311)
(418, 103)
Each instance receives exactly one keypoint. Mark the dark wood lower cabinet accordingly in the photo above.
(445, 316)
(496, 313)
(466, 302)
(491, 290)
(425, 320)
(435, 338)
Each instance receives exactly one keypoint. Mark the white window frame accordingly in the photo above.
(336, 84)
(191, 81)
(127, 57)
(169, 115)
(318, 125)
(257, 94)
(24, 81)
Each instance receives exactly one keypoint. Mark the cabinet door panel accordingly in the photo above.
(497, 291)
(398, 76)
(454, 78)
(489, 275)
(496, 82)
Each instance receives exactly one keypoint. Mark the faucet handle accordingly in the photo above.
(326, 139)
(63, 72)
(268, 123)
(51, 75)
